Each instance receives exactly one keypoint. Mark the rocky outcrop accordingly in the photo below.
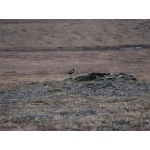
(105, 76)
(84, 86)
(87, 77)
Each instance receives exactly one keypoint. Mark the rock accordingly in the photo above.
(99, 74)
(87, 77)
(120, 76)
(105, 76)
(91, 76)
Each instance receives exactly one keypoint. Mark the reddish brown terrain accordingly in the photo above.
(37, 51)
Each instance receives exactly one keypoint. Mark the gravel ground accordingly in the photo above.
(108, 86)
(81, 103)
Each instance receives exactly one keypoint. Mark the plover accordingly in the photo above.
(70, 72)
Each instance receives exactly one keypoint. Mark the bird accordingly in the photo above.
(70, 72)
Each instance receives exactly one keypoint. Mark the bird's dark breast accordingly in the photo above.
(70, 71)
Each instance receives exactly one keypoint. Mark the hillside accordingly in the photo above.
(109, 90)
(72, 33)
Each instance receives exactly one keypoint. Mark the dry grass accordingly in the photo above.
(23, 61)
(30, 67)
(75, 114)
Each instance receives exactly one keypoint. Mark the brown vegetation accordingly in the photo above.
(33, 51)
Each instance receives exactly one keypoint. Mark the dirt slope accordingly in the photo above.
(72, 33)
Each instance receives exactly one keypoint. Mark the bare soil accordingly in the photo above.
(39, 51)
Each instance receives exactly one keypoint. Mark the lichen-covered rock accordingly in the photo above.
(87, 77)
(97, 74)
(105, 76)
(120, 76)
(95, 84)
